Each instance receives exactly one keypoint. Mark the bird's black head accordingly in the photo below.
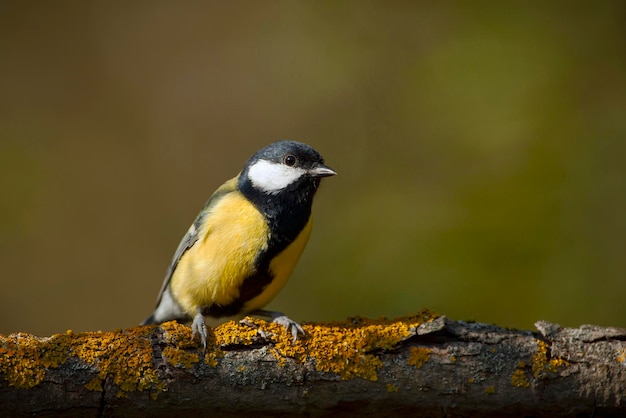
(281, 179)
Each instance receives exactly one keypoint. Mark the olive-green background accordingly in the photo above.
(480, 146)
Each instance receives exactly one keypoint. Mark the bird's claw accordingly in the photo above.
(198, 327)
(290, 325)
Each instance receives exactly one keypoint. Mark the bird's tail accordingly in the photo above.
(149, 320)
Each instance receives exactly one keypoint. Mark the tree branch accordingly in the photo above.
(421, 365)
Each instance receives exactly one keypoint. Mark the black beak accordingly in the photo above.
(320, 170)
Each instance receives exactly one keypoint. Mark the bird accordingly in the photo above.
(244, 244)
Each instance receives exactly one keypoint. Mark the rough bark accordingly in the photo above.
(429, 366)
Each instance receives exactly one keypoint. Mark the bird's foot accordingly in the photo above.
(198, 327)
(290, 325)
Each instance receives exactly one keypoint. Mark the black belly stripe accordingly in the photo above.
(286, 215)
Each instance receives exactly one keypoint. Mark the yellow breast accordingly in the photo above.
(213, 269)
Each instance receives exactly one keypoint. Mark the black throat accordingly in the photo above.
(286, 212)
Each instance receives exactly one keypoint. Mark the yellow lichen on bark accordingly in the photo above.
(418, 356)
(123, 356)
(126, 357)
(342, 347)
(519, 379)
(541, 366)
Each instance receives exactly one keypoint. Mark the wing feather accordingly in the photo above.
(192, 235)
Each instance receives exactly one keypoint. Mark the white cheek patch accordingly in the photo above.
(273, 177)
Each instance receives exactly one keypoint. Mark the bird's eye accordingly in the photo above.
(290, 160)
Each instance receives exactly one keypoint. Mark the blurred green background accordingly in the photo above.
(480, 148)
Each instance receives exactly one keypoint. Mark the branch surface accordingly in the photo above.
(419, 365)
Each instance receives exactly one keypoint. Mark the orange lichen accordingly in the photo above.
(391, 388)
(26, 358)
(180, 358)
(490, 390)
(345, 347)
(342, 347)
(621, 356)
(178, 337)
(125, 357)
(418, 356)
(238, 333)
(518, 379)
(541, 366)
(179, 340)
(555, 363)
(95, 385)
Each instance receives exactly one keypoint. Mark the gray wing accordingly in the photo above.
(167, 308)
(186, 243)
(192, 234)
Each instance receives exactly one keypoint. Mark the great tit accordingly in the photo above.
(246, 241)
